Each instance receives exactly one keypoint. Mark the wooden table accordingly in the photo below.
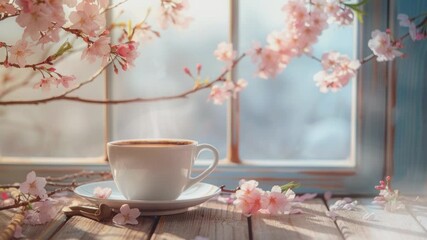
(216, 220)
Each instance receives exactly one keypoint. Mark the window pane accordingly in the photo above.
(56, 129)
(287, 117)
(159, 72)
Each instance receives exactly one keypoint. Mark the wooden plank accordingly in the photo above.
(385, 225)
(84, 228)
(43, 231)
(418, 208)
(213, 220)
(312, 224)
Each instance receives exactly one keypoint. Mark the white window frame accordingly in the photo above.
(371, 150)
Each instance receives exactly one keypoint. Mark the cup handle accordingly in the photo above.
(210, 169)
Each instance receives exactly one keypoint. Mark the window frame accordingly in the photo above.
(372, 147)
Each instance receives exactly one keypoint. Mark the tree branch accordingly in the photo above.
(64, 96)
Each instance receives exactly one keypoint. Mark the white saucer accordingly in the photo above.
(195, 195)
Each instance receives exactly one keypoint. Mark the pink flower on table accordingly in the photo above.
(41, 212)
(103, 193)
(99, 49)
(172, 12)
(246, 187)
(127, 215)
(19, 52)
(44, 84)
(382, 46)
(251, 202)
(87, 18)
(34, 185)
(278, 202)
(6, 7)
(405, 21)
(64, 80)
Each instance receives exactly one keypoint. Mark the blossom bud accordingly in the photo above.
(187, 71)
(199, 68)
(388, 178)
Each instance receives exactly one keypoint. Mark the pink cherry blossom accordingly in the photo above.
(219, 94)
(225, 52)
(87, 18)
(246, 187)
(172, 12)
(99, 49)
(127, 215)
(45, 83)
(34, 185)
(26, 5)
(41, 18)
(252, 202)
(64, 80)
(41, 212)
(269, 62)
(128, 52)
(6, 7)
(382, 46)
(19, 52)
(338, 70)
(103, 193)
(405, 21)
(277, 202)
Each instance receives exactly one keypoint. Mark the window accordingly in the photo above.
(281, 129)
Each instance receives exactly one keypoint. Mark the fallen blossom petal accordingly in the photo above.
(102, 193)
(331, 214)
(327, 195)
(296, 211)
(369, 216)
(201, 238)
(304, 197)
(127, 215)
(18, 232)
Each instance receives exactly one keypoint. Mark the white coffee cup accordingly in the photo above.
(156, 169)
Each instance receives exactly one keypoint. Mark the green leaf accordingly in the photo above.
(290, 185)
(356, 4)
(62, 49)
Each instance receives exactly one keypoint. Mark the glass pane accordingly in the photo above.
(287, 117)
(159, 72)
(56, 129)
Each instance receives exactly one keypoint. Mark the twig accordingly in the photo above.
(9, 186)
(63, 96)
(77, 175)
(113, 6)
(37, 199)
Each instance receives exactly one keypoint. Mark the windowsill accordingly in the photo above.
(313, 175)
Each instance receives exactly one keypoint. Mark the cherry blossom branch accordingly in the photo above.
(64, 96)
(10, 15)
(113, 6)
(36, 199)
